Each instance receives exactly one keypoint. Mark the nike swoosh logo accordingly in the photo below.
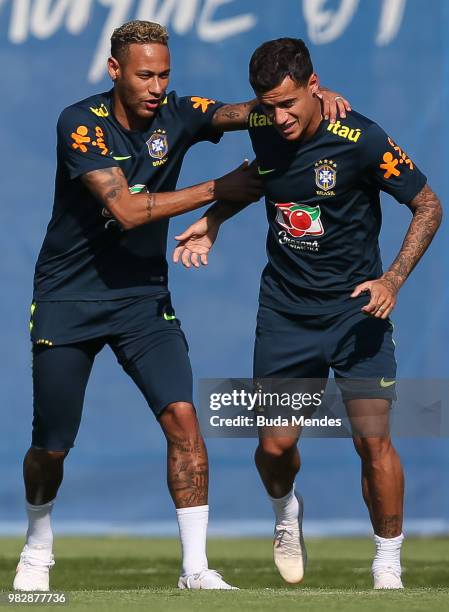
(168, 317)
(386, 383)
(122, 158)
(260, 171)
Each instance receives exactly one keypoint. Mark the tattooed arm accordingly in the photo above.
(195, 243)
(235, 116)
(427, 215)
(110, 187)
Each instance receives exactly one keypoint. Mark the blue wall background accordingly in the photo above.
(391, 59)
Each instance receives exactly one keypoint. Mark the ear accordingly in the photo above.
(113, 68)
(314, 84)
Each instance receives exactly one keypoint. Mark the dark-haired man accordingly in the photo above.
(323, 290)
(101, 278)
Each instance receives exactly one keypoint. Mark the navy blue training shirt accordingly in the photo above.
(85, 254)
(323, 208)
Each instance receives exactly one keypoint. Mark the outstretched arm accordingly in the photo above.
(427, 215)
(235, 116)
(110, 187)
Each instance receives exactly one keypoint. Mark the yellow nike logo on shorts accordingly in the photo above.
(386, 383)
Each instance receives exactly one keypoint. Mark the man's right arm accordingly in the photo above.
(110, 187)
(232, 117)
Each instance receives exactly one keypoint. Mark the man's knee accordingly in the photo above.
(179, 419)
(373, 450)
(277, 448)
(50, 456)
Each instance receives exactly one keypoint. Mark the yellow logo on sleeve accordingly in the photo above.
(81, 139)
(202, 103)
(392, 164)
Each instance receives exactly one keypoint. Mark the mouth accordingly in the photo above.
(151, 104)
(288, 128)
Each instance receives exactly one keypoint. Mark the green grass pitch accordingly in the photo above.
(125, 574)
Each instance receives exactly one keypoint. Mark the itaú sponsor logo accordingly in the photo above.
(344, 131)
(209, 19)
(259, 120)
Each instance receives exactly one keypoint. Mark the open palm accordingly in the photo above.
(195, 243)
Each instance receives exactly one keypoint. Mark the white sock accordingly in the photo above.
(192, 524)
(39, 534)
(388, 552)
(285, 508)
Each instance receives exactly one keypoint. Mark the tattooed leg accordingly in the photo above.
(382, 475)
(187, 464)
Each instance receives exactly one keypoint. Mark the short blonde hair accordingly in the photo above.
(137, 32)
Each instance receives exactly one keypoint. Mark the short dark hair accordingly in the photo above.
(139, 32)
(276, 59)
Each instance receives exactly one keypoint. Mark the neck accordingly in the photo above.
(124, 116)
(314, 122)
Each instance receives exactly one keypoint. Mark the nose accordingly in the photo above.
(155, 86)
(280, 116)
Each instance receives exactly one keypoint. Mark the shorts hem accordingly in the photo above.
(163, 405)
(390, 398)
(50, 447)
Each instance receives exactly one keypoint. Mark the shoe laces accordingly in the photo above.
(35, 562)
(207, 572)
(388, 569)
(284, 536)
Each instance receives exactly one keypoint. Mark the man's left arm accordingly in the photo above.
(232, 117)
(427, 215)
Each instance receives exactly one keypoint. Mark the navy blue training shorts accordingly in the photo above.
(358, 347)
(145, 336)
